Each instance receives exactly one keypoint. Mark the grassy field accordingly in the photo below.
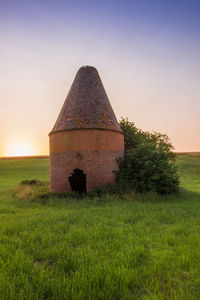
(135, 247)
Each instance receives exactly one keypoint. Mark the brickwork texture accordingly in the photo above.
(93, 151)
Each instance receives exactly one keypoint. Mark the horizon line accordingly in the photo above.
(47, 156)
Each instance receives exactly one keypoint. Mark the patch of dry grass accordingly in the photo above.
(30, 192)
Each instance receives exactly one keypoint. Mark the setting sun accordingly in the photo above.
(19, 149)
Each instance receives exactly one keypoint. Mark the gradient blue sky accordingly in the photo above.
(147, 54)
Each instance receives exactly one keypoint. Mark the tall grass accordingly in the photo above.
(120, 247)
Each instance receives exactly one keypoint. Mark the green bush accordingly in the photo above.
(149, 162)
(134, 137)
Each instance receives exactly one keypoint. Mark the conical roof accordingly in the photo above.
(86, 105)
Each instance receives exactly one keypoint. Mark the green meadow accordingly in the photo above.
(112, 247)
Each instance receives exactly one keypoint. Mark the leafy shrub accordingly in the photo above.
(134, 137)
(148, 164)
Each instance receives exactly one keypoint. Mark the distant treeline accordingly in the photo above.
(47, 156)
(188, 153)
(25, 157)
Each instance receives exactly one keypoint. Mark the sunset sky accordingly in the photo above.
(147, 53)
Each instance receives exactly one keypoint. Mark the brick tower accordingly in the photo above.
(86, 138)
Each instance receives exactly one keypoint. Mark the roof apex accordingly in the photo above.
(86, 105)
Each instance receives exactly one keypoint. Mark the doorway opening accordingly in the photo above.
(77, 181)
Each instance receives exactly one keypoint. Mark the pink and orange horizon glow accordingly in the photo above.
(147, 54)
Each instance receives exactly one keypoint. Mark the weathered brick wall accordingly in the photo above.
(92, 150)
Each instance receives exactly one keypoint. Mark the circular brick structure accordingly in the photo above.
(86, 139)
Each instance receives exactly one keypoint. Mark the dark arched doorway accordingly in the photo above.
(78, 181)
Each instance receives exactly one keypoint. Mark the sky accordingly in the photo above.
(147, 53)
